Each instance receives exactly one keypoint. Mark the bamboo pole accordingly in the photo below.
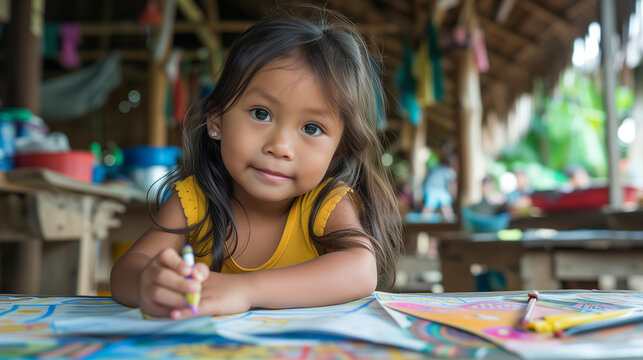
(607, 25)
(470, 130)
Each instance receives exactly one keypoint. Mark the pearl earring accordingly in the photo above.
(214, 134)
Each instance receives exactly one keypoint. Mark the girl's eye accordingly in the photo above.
(260, 114)
(312, 129)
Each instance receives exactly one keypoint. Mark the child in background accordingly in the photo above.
(440, 185)
(519, 200)
(280, 190)
(578, 179)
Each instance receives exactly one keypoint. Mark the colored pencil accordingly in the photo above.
(531, 305)
(632, 317)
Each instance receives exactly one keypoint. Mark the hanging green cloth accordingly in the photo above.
(423, 74)
(381, 122)
(436, 60)
(405, 82)
(51, 41)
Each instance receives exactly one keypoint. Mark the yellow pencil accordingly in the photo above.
(553, 323)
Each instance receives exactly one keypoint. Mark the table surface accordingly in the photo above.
(29, 180)
(383, 326)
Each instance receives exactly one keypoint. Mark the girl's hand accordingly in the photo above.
(222, 294)
(163, 283)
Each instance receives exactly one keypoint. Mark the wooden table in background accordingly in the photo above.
(542, 258)
(39, 207)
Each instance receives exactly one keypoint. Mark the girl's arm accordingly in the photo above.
(332, 278)
(151, 274)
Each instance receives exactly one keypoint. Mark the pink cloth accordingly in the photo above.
(480, 50)
(71, 38)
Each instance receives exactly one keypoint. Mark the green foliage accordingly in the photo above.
(567, 128)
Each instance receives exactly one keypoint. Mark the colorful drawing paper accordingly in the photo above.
(496, 318)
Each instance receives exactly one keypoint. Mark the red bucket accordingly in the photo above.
(77, 164)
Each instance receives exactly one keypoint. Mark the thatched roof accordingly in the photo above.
(524, 38)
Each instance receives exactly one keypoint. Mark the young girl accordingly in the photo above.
(280, 191)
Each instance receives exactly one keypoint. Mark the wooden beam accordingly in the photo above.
(131, 55)
(130, 28)
(212, 15)
(227, 26)
(506, 33)
(373, 22)
(504, 10)
(445, 110)
(402, 6)
(494, 57)
(572, 13)
(194, 15)
(535, 8)
(490, 78)
(107, 10)
(579, 8)
(211, 10)
(435, 130)
(447, 124)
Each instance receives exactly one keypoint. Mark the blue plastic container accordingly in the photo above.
(26, 124)
(147, 156)
(147, 165)
(7, 141)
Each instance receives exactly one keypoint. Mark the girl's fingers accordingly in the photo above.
(200, 271)
(205, 308)
(171, 259)
(181, 313)
(169, 279)
(167, 298)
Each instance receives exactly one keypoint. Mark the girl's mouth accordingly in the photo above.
(271, 175)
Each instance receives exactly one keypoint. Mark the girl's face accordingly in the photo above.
(278, 140)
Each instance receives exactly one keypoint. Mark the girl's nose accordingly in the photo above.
(279, 145)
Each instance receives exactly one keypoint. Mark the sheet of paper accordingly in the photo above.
(495, 318)
(363, 319)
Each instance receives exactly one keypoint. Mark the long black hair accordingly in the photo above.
(337, 55)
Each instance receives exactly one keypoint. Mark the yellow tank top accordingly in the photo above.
(295, 245)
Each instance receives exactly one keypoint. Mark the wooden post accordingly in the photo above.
(157, 78)
(607, 27)
(157, 130)
(24, 64)
(469, 130)
(24, 74)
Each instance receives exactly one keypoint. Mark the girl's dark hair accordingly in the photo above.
(337, 55)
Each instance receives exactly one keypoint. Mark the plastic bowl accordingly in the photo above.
(77, 164)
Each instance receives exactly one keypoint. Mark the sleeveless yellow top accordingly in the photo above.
(295, 246)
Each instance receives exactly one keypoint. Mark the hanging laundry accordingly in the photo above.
(423, 74)
(180, 96)
(406, 84)
(479, 49)
(151, 16)
(436, 60)
(71, 39)
(50, 41)
(179, 92)
(79, 92)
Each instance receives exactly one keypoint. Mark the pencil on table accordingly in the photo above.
(531, 305)
(631, 317)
